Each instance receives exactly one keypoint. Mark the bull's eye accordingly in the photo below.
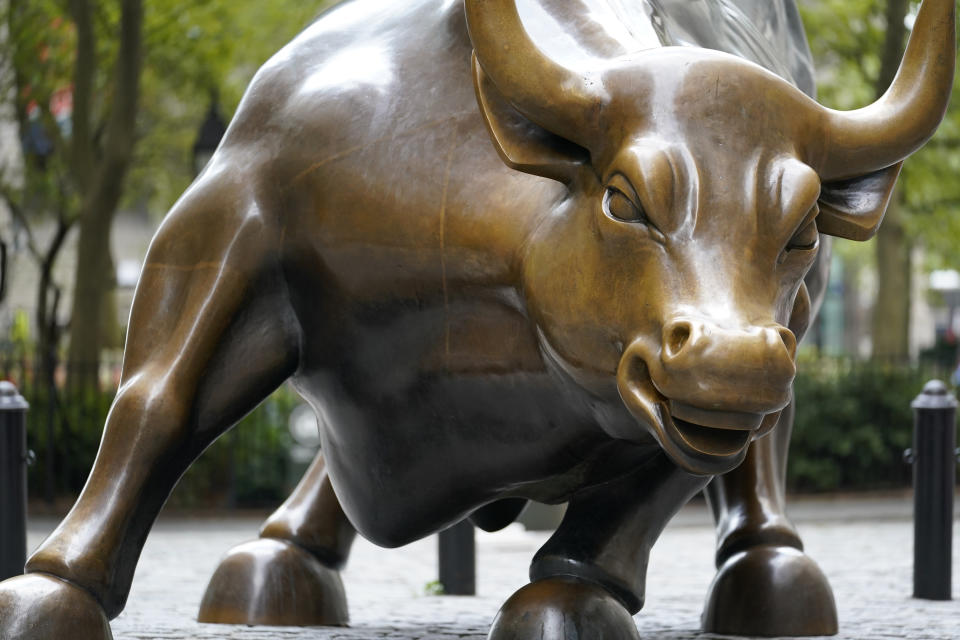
(805, 239)
(617, 205)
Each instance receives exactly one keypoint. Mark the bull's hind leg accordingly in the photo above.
(765, 584)
(290, 575)
(211, 334)
(589, 579)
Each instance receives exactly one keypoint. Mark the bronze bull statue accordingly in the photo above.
(601, 307)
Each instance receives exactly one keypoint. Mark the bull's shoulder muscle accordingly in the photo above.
(363, 71)
(365, 132)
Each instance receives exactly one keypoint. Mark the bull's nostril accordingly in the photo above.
(676, 337)
(789, 341)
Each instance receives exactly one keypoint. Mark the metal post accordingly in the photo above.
(13, 481)
(934, 477)
(458, 561)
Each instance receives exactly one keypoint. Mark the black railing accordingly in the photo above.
(249, 466)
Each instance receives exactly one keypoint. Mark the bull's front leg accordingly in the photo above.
(589, 579)
(765, 584)
(211, 334)
(290, 575)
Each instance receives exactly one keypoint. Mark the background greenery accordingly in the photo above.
(852, 425)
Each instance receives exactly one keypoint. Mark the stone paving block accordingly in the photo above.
(868, 561)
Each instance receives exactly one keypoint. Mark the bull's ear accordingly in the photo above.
(853, 208)
(523, 145)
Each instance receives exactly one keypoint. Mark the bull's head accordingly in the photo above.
(698, 186)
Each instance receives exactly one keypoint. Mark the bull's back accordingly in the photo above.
(380, 153)
(379, 156)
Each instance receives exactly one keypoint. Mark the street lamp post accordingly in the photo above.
(208, 137)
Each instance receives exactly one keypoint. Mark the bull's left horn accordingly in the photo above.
(904, 118)
(564, 101)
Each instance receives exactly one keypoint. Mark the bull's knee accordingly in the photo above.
(313, 519)
(774, 530)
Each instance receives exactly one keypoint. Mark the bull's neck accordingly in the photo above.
(484, 243)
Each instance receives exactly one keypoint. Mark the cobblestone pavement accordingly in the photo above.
(864, 550)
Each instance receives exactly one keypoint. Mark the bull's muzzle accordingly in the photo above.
(710, 368)
(706, 390)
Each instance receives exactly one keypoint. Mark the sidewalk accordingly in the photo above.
(864, 547)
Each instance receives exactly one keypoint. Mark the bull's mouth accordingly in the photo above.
(709, 440)
(736, 420)
(700, 441)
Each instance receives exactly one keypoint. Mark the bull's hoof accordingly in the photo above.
(563, 609)
(38, 606)
(274, 582)
(770, 591)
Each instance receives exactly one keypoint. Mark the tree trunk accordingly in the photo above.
(93, 281)
(891, 310)
(94, 277)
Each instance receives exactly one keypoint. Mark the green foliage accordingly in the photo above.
(191, 47)
(19, 335)
(846, 38)
(247, 467)
(434, 588)
(191, 50)
(852, 425)
(195, 48)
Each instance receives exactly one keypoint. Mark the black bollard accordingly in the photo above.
(13, 481)
(934, 477)
(458, 561)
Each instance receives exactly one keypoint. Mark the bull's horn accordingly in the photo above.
(563, 101)
(905, 117)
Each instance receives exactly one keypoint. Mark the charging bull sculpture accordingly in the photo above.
(601, 306)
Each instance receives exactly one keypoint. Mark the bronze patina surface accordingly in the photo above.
(507, 251)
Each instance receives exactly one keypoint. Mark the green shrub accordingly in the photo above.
(853, 422)
(247, 467)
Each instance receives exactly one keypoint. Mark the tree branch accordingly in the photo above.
(19, 216)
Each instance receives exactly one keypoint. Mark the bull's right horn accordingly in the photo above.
(904, 118)
(563, 101)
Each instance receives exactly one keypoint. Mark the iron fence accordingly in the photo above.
(248, 466)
